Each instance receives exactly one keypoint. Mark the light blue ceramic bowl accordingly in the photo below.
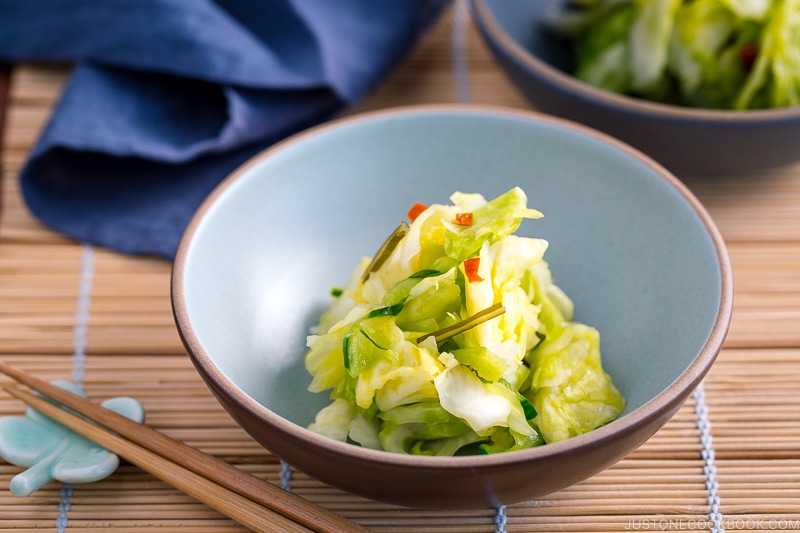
(685, 140)
(629, 243)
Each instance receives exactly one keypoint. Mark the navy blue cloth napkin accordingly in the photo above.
(168, 96)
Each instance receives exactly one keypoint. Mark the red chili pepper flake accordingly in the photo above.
(747, 55)
(463, 219)
(415, 211)
(471, 269)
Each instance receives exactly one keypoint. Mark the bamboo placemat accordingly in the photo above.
(730, 458)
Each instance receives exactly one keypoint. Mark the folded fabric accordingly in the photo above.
(167, 97)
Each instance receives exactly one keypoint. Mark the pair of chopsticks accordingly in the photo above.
(250, 501)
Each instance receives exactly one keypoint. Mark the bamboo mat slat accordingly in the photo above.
(133, 349)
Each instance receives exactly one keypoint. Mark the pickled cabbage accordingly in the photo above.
(719, 54)
(526, 376)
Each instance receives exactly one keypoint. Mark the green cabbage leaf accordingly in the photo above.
(527, 376)
(717, 54)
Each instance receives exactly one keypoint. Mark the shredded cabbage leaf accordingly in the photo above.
(527, 377)
(718, 54)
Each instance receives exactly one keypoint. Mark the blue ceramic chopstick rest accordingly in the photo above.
(50, 451)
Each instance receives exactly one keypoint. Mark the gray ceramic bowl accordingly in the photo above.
(628, 242)
(685, 140)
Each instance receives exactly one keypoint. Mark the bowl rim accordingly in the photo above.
(662, 405)
(495, 32)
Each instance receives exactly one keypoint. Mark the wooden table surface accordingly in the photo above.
(730, 458)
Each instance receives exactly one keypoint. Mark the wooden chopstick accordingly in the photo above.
(243, 510)
(219, 476)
